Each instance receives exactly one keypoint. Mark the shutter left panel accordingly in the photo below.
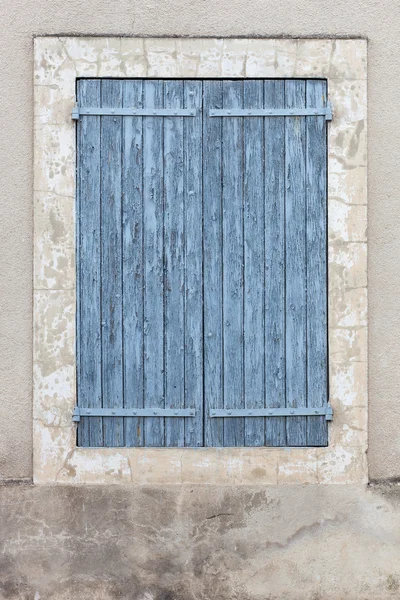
(88, 266)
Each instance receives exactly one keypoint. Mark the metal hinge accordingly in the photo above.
(131, 412)
(79, 111)
(273, 112)
(325, 411)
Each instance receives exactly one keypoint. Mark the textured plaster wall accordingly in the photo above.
(22, 19)
(199, 543)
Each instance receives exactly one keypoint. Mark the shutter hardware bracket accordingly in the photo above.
(274, 112)
(131, 412)
(79, 111)
(325, 411)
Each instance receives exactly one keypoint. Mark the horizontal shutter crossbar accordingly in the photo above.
(214, 413)
(273, 112)
(325, 411)
(132, 112)
(187, 112)
(131, 412)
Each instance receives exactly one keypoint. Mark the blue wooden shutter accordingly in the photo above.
(201, 264)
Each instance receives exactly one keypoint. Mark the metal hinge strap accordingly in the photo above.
(273, 112)
(325, 411)
(131, 412)
(132, 112)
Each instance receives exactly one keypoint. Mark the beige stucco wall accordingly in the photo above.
(380, 22)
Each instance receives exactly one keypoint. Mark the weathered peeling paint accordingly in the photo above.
(58, 62)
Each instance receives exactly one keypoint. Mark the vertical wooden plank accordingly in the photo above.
(111, 261)
(254, 262)
(212, 253)
(275, 427)
(296, 338)
(132, 261)
(232, 201)
(153, 248)
(192, 170)
(174, 250)
(317, 352)
(88, 334)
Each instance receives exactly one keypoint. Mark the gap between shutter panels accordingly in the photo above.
(148, 224)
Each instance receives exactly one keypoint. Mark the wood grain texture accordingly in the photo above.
(174, 264)
(316, 227)
(212, 231)
(153, 251)
(296, 273)
(275, 288)
(111, 261)
(233, 261)
(193, 223)
(132, 263)
(201, 263)
(253, 240)
(88, 333)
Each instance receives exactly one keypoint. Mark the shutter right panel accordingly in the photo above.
(265, 266)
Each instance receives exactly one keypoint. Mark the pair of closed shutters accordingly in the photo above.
(201, 264)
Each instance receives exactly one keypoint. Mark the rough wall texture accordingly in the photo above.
(205, 542)
(199, 543)
(22, 19)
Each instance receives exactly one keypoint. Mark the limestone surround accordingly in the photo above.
(59, 61)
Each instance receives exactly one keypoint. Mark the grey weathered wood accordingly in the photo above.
(153, 250)
(295, 219)
(233, 261)
(174, 276)
(193, 222)
(111, 261)
(317, 355)
(88, 334)
(212, 261)
(274, 97)
(253, 239)
(132, 262)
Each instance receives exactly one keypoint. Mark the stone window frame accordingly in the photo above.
(58, 62)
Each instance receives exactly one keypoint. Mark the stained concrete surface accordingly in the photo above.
(199, 543)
